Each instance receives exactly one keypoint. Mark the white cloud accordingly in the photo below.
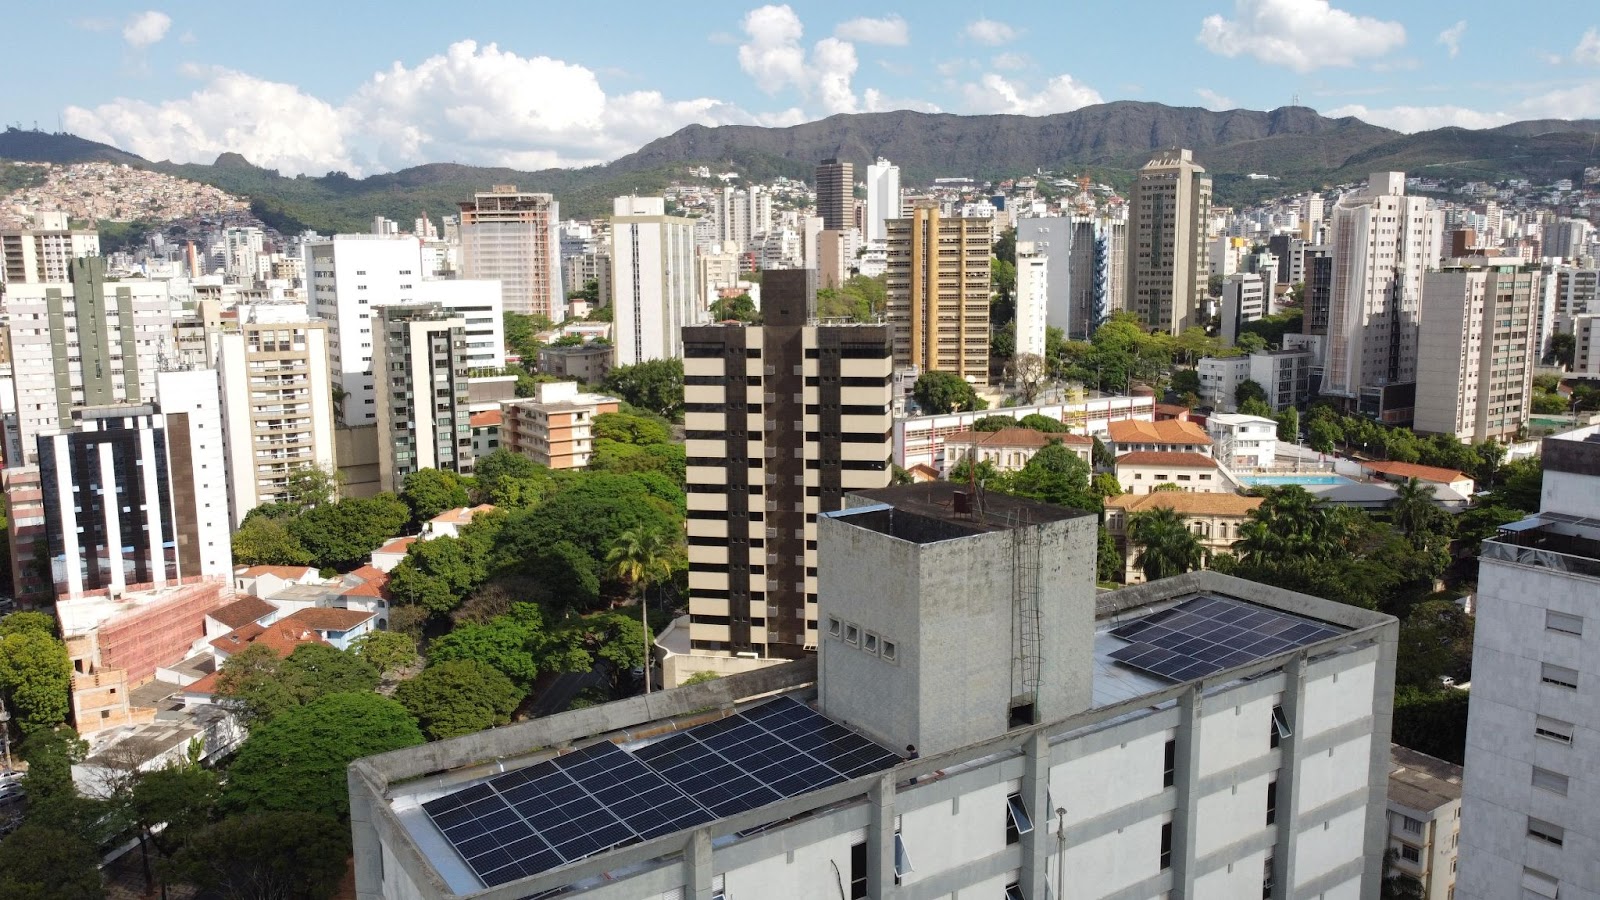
(1300, 34)
(1588, 50)
(774, 58)
(1011, 61)
(1422, 118)
(1451, 37)
(471, 104)
(146, 28)
(990, 32)
(891, 30)
(873, 100)
(994, 94)
(1214, 100)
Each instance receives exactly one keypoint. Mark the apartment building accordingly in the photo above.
(977, 723)
(782, 420)
(515, 238)
(1215, 518)
(1168, 262)
(938, 292)
(587, 363)
(836, 194)
(1477, 347)
(1530, 804)
(883, 198)
(1246, 297)
(1424, 822)
(424, 414)
(1032, 298)
(44, 251)
(1243, 442)
(653, 277)
(277, 406)
(556, 427)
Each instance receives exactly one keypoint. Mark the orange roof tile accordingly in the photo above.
(1191, 503)
(486, 419)
(204, 686)
(1167, 431)
(1175, 460)
(463, 515)
(242, 612)
(286, 572)
(1412, 470)
(374, 583)
(280, 636)
(324, 618)
(399, 545)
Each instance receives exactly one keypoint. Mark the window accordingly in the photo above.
(1562, 622)
(1550, 833)
(1410, 853)
(1560, 676)
(1410, 825)
(1280, 726)
(858, 871)
(1537, 884)
(1166, 846)
(1169, 763)
(869, 642)
(1014, 891)
(1546, 780)
(1266, 878)
(1553, 729)
(889, 650)
(902, 860)
(852, 634)
(833, 627)
(1272, 802)
(1017, 821)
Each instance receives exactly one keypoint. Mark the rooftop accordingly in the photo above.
(366, 581)
(1166, 431)
(1422, 782)
(1016, 437)
(462, 515)
(941, 510)
(1189, 503)
(243, 611)
(1170, 459)
(1432, 474)
(325, 618)
(398, 545)
(290, 572)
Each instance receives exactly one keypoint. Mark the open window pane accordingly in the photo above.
(1014, 891)
(1019, 814)
(902, 861)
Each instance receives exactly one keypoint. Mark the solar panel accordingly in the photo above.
(1205, 635)
(574, 806)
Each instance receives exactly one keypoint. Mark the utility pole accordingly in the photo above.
(644, 622)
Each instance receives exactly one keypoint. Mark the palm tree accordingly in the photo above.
(1413, 508)
(639, 557)
(1167, 546)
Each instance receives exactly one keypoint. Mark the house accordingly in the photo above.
(267, 581)
(1244, 442)
(245, 611)
(1401, 472)
(450, 522)
(1143, 471)
(366, 589)
(1424, 821)
(485, 427)
(385, 558)
(338, 627)
(1214, 518)
(1166, 436)
(922, 472)
(1009, 449)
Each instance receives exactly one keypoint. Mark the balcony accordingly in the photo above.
(1542, 542)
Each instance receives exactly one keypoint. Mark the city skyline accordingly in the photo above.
(497, 86)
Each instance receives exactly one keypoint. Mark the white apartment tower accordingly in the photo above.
(423, 410)
(1477, 349)
(277, 402)
(883, 198)
(1382, 243)
(1032, 297)
(515, 238)
(42, 251)
(1530, 804)
(653, 280)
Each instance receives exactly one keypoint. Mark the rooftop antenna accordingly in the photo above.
(1295, 99)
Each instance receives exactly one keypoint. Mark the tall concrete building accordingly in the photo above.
(654, 293)
(836, 194)
(938, 293)
(43, 251)
(742, 214)
(423, 409)
(1168, 260)
(1032, 297)
(1477, 349)
(1530, 803)
(1088, 259)
(515, 238)
(883, 198)
(782, 420)
(1382, 243)
(977, 723)
(89, 341)
(277, 406)
(1246, 297)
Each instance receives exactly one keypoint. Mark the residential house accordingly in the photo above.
(1143, 471)
(1166, 436)
(1244, 442)
(1213, 517)
(1009, 449)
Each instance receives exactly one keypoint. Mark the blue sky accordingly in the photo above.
(366, 87)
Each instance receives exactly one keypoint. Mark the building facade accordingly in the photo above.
(1424, 822)
(347, 277)
(883, 198)
(1032, 299)
(556, 427)
(782, 421)
(1477, 347)
(938, 293)
(515, 238)
(1246, 297)
(424, 414)
(44, 251)
(653, 280)
(836, 194)
(1168, 261)
(1215, 519)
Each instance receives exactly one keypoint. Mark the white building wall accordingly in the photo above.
(478, 303)
(1032, 298)
(346, 277)
(653, 280)
(195, 393)
(883, 198)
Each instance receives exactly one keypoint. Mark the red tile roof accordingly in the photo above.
(1190, 503)
(290, 573)
(1167, 431)
(280, 636)
(242, 612)
(204, 686)
(398, 546)
(1412, 470)
(323, 618)
(1170, 460)
(463, 515)
(374, 583)
(486, 419)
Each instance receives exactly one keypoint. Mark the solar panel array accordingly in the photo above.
(574, 806)
(1209, 634)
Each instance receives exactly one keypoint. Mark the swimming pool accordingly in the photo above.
(1273, 480)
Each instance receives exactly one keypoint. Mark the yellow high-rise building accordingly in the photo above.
(938, 292)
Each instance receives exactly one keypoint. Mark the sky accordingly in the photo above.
(365, 87)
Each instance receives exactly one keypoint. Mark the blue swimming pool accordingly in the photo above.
(1265, 480)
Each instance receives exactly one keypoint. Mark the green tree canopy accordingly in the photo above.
(259, 687)
(655, 385)
(994, 423)
(342, 535)
(627, 428)
(1166, 545)
(512, 481)
(38, 862)
(429, 492)
(35, 675)
(738, 309)
(1046, 424)
(1058, 475)
(27, 621)
(1249, 390)
(438, 574)
(1435, 642)
(459, 696)
(267, 541)
(297, 761)
(274, 855)
(511, 644)
(386, 651)
(943, 392)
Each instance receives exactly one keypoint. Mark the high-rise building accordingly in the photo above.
(938, 293)
(514, 238)
(970, 727)
(1246, 297)
(1383, 241)
(1477, 349)
(89, 341)
(1530, 804)
(1168, 259)
(653, 280)
(1567, 239)
(43, 251)
(836, 194)
(555, 427)
(782, 420)
(1032, 297)
(883, 198)
(277, 408)
(424, 416)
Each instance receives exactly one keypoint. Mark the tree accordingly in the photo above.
(1520, 485)
(1254, 407)
(1563, 349)
(943, 392)
(1030, 371)
(284, 855)
(342, 535)
(1043, 423)
(169, 805)
(1248, 390)
(511, 481)
(309, 486)
(1003, 278)
(1435, 642)
(627, 428)
(587, 516)
(297, 761)
(429, 492)
(38, 862)
(1107, 561)
(1055, 475)
(1102, 456)
(1166, 545)
(700, 678)
(459, 696)
(737, 309)
(509, 643)
(1413, 510)
(438, 574)
(27, 621)
(1289, 425)
(1185, 382)
(655, 385)
(35, 676)
(615, 637)
(638, 559)
(994, 423)
(266, 541)
(386, 651)
(258, 686)
(1250, 342)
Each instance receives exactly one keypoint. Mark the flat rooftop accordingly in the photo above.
(1422, 782)
(941, 510)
